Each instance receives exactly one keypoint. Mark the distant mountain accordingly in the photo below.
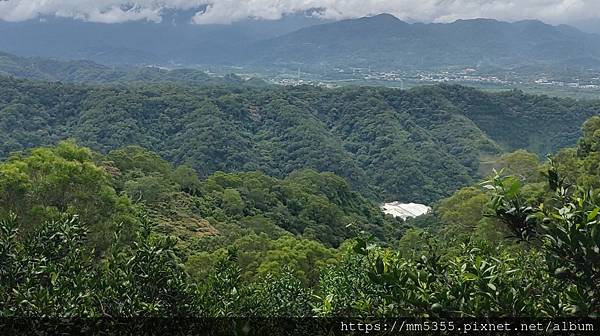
(173, 40)
(385, 41)
(89, 72)
(589, 25)
(382, 41)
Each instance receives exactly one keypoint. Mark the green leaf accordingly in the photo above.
(593, 214)
(411, 275)
(514, 189)
(360, 247)
(379, 265)
(469, 277)
(373, 277)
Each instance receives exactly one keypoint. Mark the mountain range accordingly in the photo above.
(385, 41)
(170, 41)
(381, 41)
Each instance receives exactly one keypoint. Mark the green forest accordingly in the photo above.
(163, 200)
(419, 145)
(84, 71)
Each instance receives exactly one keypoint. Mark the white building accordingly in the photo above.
(405, 210)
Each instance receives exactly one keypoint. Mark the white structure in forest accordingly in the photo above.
(405, 210)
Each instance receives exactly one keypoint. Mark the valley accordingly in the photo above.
(171, 162)
(418, 145)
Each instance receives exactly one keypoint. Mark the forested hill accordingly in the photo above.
(83, 71)
(417, 145)
(384, 41)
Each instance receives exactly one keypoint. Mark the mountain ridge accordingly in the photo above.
(383, 41)
(417, 145)
(387, 42)
(85, 71)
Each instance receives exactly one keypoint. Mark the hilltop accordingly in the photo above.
(416, 146)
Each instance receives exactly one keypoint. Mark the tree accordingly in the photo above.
(233, 202)
(150, 188)
(187, 179)
(47, 183)
(590, 142)
(568, 226)
(522, 164)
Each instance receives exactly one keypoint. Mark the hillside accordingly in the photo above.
(384, 41)
(83, 71)
(236, 167)
(90, 235)
(174, 40)
(418, 145)
(212, 212)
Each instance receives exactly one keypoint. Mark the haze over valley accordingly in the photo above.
(300, 48)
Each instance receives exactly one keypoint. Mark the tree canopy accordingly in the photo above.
(415, 146)
(269, 213)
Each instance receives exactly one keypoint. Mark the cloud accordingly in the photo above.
(106, 11)
(227, 11)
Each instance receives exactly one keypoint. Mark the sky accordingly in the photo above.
(228, 11)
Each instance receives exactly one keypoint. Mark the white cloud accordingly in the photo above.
(226, 11)
(107, 11)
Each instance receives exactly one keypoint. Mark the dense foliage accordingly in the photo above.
(526, 246)
(50, 183)
(90, 72)
(235, 201)
(545, 263)
(270, 222)
(417, 145)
